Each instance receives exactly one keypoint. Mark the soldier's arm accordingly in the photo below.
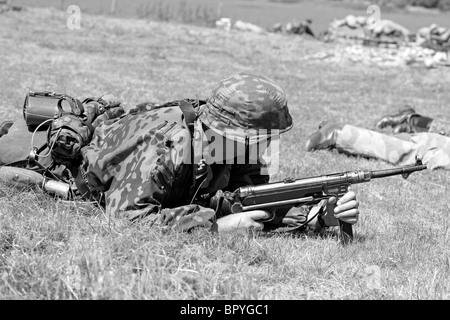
(141, 174)
(155, 203)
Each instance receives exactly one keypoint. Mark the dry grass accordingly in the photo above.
(62, 250)
(264, 13)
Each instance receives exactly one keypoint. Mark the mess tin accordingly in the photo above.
(42, 106)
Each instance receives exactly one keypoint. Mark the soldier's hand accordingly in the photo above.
(242, 222)
(346, 208)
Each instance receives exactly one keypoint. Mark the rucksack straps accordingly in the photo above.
(189, 113)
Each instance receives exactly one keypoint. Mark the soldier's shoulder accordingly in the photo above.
(155, 109)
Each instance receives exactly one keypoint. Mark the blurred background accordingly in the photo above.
(413, 14)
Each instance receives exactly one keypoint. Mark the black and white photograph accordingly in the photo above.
(233, 157)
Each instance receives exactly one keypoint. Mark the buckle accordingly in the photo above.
(200, 169)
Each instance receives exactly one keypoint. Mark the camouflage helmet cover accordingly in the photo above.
(247, 103)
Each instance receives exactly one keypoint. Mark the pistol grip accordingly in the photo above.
(345, 232)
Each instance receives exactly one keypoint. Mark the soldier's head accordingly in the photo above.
(246, 108)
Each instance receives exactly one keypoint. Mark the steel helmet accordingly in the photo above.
(244, 105)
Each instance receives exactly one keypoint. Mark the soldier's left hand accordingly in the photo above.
(346, 208)
(241, 222)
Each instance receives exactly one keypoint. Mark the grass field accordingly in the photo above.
(51, 249)
(261, 12)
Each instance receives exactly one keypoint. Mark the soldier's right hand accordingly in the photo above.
(346, 208)
(242, 222)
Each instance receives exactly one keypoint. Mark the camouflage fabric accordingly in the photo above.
(67, 135)
(140, 162)
(440, 126)
(137, 161)
(146, 164)
(245, 104)
(401, 149)
(69, 132)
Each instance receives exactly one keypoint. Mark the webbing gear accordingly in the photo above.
(202, 171)
(189, 113)
(69, 132)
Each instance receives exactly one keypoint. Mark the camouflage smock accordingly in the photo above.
(138, 163)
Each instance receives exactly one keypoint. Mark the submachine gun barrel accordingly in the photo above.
(293, 192)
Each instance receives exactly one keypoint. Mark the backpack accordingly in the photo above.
(54, 129)
(103, 158)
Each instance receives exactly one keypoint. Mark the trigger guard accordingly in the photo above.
(272, 217)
